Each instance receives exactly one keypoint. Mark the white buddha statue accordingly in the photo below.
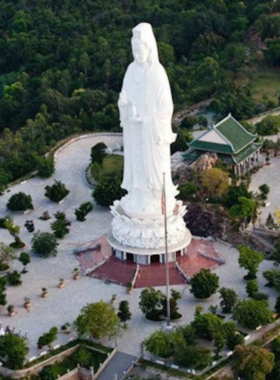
(146, 109)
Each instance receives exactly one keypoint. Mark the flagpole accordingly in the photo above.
(168, 326)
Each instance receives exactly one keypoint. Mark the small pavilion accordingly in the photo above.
(233, 144)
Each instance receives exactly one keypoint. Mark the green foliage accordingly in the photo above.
(188, 122)
(44, 244)
(277, 305)
(252, 313)
(6, 256)
(83, 210)
(98, 320)
(61, 225)
(108, 190)
(98, 152)
(273, 278)
(187, 190)
(268, 126)
(48, 338)
(151, 301)
(204, 284)
(275, 346)
(3, 284)
(234, 193)
(45, 167)
(249, 260)
(24, 258)
(56, 192)
(229, 299)
(253, 363)
(206, 325)
(244, 210)
(252, 288)
(14, 278)
(20, 202)
(124, 313)
(14, 350)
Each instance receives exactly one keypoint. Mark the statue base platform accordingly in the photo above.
(144, 256)
(143, 238)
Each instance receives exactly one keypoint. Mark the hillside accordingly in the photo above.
(62, 64)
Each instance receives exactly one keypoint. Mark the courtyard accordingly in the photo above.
(64, 305)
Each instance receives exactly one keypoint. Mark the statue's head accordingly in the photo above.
(144, 46)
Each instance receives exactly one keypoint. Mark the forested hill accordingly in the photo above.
(62, 63)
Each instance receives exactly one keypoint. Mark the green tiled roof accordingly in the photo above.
(191, 154)
(211, 147)
(246, 152)
(235, 133)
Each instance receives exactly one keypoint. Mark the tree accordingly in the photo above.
(83, 210)
(98, 320)
(3, 284)
(269, 125)
(244, 210)
(20, 202)
(253, 363)
(249, 260)
(45, 167)
(206, 325)
(14, 230)
(215, 181)
(98, 152)
(151, 302)
(159, 344)
(275, 346)
(204, 284)
(56, 192)
(6, 256)
(229, 299)
(124, 313)
(252, 288)
(252, 313)
(234, 193)
(61, 225)
(264, 189)
(24, 258)
(219, 342)
(44, 244)
(108, 190)
(277, 305)
(188, 122)
(14, 349)
(48, 338)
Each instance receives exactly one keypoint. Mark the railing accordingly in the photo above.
(215, 258)
(135, 275)
(187, 278)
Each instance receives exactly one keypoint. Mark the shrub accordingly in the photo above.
(235, 340)
(61, 225)
(56, 192)
(44, 244)
(252, 313)
(14, 278)
(98, 152)
(48, 338)
(3, 284)
(83, 210)
(20, 202)
(204, 284)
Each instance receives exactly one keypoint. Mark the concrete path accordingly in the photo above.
(117, 367)
(269, 175)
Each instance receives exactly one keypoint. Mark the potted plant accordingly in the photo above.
(129, 287)
(76, 274)
(61, 283)
(27, 303)
(11, 310)
(65, 328)
(44, 293)
(113, 298)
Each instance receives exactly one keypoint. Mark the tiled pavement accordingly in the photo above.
(121, 272)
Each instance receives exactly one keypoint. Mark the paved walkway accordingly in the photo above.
(268, 175)
(64, 305)
(117, 367)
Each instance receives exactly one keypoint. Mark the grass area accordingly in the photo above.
(267, 83)
(112, 164)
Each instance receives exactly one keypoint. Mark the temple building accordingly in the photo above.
(233, 144)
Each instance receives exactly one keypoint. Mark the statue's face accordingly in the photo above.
(140, 50)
